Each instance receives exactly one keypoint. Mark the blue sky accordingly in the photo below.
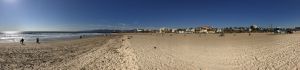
(72, 15)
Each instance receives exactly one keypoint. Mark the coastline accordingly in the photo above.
(45, 37)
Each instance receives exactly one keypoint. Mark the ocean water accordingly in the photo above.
(15, 37)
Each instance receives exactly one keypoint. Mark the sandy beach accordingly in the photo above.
(104, 53)
(260, 51)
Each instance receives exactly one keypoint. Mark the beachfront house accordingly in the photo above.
(162, 30)
(189, 30)
(181, 31)
(254, 28)
(173, 30)
(165, 30)
(193, 30)
(206, 29)
(139, 30)
(219, 31)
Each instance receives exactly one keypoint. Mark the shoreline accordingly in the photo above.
(13, 38)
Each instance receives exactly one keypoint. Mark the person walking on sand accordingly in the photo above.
(37, 40)
(22, 41)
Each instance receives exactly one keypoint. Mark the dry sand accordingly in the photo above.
(158, 52)
(211, 52)
(98, 53)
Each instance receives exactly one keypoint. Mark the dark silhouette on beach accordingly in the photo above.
(37, 40)
(222, 34)
(80, 37)
(22, 41)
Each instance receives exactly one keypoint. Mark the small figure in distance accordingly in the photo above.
(222, 34)
(249, 33)
(80, 37)
(22, 41)
(37, 40)
(289, 32)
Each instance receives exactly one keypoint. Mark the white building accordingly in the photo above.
(193, 30)
(219, 31)
(173, 30)
(139, 30)
(181, 32)
(162, 30)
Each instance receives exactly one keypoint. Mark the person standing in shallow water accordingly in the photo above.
(37, 40)
(22, 41)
